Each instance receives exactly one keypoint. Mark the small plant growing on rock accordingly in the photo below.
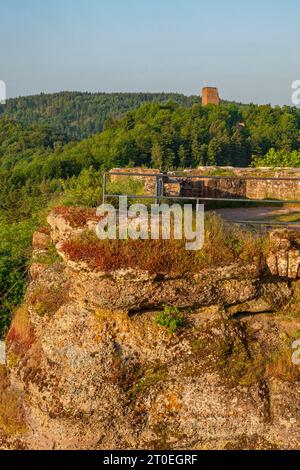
(171, 318)
(48, 299)
(21, 335)
(76, 216)
(49, 257)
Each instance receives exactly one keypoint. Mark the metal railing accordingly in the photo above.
(159, 195)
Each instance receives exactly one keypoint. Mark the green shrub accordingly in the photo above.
(171, 318)
(126, 186)
(278, 158)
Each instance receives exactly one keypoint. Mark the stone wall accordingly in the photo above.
(232, 185)
(270, 189)
(149, 181)
(229, 187)
(264, 172)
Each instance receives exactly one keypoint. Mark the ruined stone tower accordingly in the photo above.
(210, 95)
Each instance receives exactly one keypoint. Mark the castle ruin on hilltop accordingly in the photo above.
(210, 95)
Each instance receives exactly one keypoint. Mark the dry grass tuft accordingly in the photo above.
(21, 335)
(76, 216)
(281, 366)
(48, 299)
(12, 420)
(223, 243)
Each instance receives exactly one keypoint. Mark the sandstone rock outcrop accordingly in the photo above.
(97, 371)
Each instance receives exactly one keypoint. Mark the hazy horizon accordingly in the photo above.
(139, 92)
(249, 51)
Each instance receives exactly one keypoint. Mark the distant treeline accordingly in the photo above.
(80, 115)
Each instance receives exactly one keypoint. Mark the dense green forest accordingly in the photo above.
(45, 161)
(169, 136)
(80, 115)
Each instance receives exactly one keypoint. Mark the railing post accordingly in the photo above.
(157, 189)
(104, 188)
(161, 187)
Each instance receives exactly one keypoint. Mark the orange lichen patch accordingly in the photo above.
(174, 403)
(76, 216)
(21, 335)
(116, 319)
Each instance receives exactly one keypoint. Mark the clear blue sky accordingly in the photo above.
(249, 49)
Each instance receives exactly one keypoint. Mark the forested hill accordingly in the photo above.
(159, 135)
(42, 161)
(169, 136)
(80, 115)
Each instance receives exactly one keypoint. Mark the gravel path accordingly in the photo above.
(254, 214)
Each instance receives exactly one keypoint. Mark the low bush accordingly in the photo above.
(12, 420)
(76, 216)
(48, 299)
(171, 319)
(21, 335)
(126, 185)
(223, 244)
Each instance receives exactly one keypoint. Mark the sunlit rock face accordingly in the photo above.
(96, 370)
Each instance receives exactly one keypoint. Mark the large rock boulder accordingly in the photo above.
(98, 370)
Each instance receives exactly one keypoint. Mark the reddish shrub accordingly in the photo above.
(223, 244)
(21, 335)
(76, 216)
(153, 256)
